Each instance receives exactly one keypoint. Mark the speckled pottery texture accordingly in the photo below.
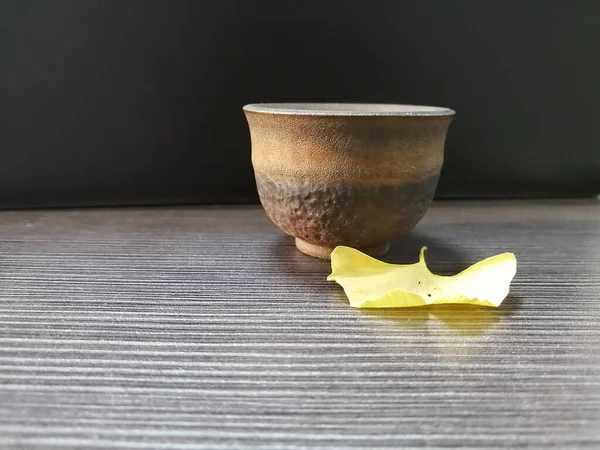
(346, 174)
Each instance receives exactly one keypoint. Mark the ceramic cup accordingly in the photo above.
(346, 174)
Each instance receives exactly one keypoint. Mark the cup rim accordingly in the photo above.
(348, 109)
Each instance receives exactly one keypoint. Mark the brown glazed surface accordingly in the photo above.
(346, 180)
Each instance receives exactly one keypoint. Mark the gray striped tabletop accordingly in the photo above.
(185, 328)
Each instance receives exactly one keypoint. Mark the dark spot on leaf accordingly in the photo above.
(428, 295)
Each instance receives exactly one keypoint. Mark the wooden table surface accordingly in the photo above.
(184, 328)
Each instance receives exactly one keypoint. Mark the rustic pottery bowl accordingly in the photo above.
(346, 174)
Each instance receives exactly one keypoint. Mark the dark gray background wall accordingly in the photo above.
(139, 101)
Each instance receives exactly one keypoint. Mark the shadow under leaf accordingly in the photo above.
(468, 320)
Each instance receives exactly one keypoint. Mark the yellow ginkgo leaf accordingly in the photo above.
(370, 283)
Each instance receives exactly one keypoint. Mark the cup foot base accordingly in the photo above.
(319, 251)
